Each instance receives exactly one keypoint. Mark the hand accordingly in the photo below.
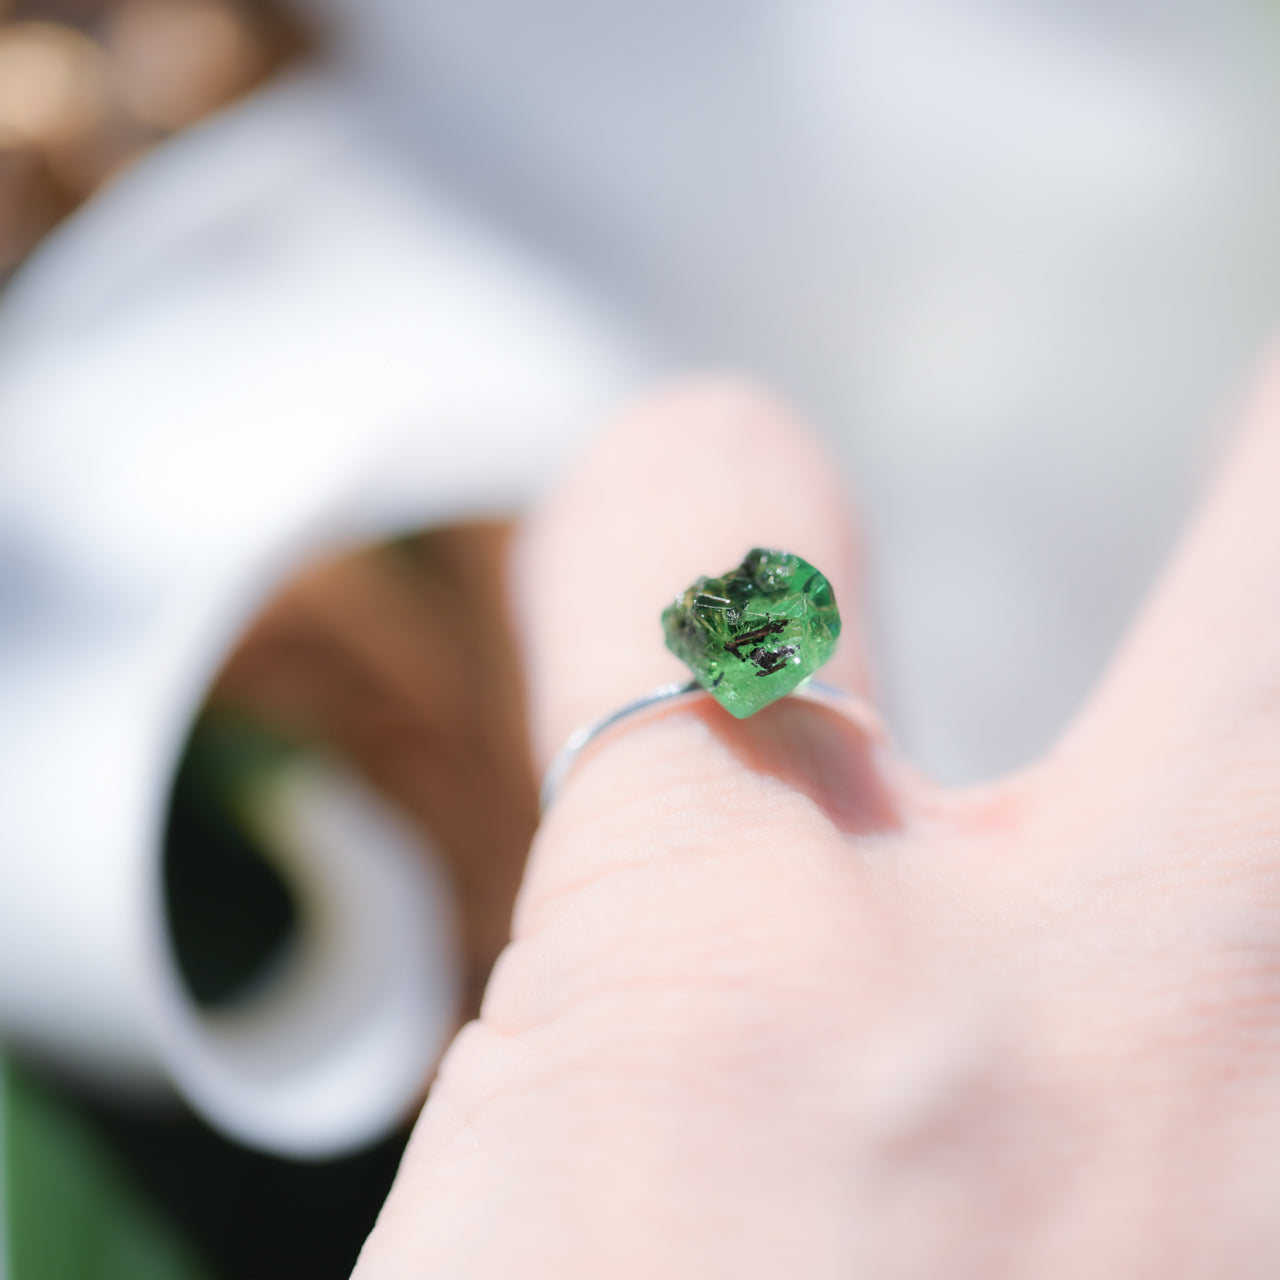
(774, 1007)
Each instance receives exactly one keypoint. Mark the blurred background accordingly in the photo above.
(303, 302)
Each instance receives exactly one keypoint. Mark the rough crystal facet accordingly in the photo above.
(753, 634)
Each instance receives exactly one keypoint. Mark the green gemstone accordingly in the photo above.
(753, 634)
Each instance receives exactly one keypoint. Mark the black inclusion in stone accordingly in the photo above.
(771, 660)
(231, 916)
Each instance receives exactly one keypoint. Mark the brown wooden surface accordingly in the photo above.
(88, 86)
(402, 659)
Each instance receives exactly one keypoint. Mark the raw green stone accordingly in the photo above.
(753, 634)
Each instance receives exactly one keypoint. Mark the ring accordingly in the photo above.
(849, 705)
(751, 636)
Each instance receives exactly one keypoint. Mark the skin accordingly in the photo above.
(775, 1006)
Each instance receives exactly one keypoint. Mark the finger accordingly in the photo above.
(645, 968)
(683, 485)
(1201, 668)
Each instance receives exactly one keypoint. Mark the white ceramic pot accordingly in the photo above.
(264, 343)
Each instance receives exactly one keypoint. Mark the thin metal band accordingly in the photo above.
(853, 707)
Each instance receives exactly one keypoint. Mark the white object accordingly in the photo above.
(264, 343)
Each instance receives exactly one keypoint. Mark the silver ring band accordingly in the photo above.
(850, 705)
